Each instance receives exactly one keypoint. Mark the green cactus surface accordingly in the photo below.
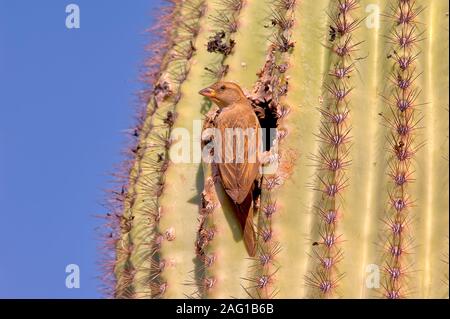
(353, 197)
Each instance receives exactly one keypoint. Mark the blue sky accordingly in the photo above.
(66, 96)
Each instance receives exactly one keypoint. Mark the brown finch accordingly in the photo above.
(238, 165)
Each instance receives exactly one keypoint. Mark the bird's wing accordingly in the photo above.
(238, 175)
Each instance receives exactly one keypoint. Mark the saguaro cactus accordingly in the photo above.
(353, 199)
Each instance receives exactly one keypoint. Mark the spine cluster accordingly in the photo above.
(402, 119)
(333, 158)
(221, 42)
(205, 236)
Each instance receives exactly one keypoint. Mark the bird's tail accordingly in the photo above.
(244, 212)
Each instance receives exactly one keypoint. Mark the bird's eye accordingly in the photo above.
(222, 88)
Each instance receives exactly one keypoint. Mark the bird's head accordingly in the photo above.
(224, 93)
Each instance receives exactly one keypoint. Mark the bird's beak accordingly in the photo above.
(208, 92)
